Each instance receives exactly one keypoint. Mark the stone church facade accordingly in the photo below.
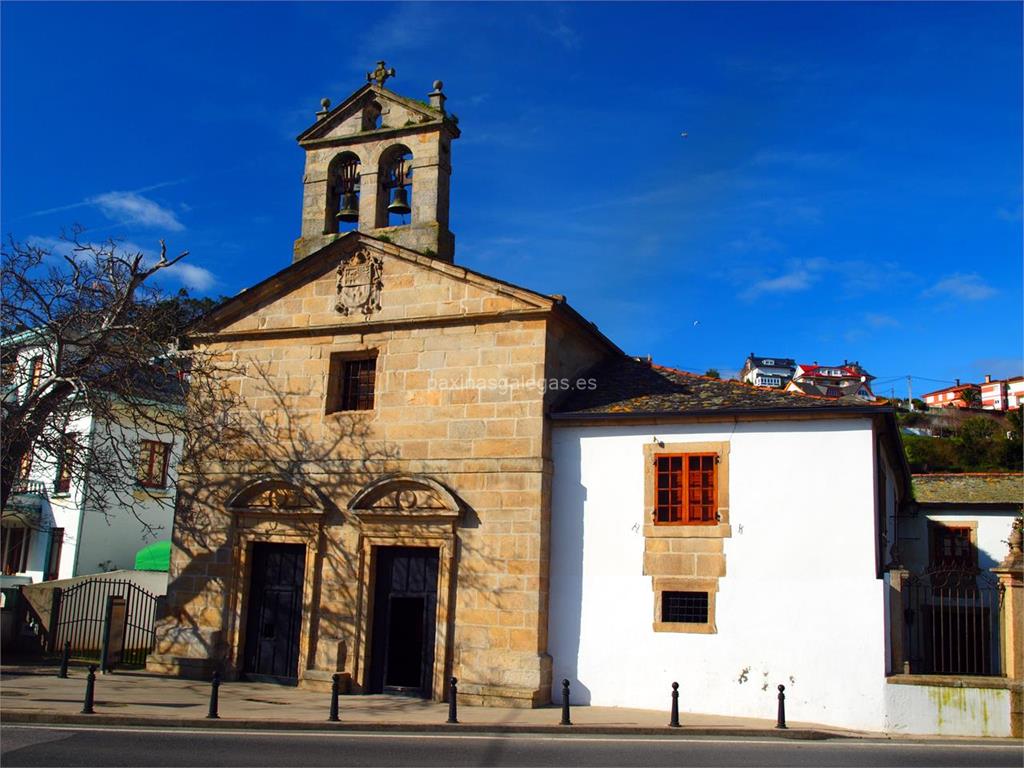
(389, 520)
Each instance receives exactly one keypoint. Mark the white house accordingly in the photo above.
(767, 371)
(60, 523)
(733, 540)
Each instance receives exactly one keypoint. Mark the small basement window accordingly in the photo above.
(684, 607)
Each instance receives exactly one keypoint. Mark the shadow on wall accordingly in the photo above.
(566, 571)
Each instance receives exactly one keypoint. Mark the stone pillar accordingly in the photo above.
(897, 624)
(1011, 623)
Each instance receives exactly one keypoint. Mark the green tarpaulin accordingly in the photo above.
(155, 557)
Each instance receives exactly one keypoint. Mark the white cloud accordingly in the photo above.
(798, 279)
(1010, 214)
(755, 240)
(880, 320)
(1000, 367)
(133, 208)
(801, 160)
(191, 276)
(965, 287)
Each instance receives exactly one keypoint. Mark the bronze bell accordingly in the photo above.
(399, 202)
(349, 207)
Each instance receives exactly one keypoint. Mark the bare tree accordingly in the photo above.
(86, 333)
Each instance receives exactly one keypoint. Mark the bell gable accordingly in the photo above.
(358, 280)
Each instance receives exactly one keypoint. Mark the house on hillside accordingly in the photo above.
(846, 380)
(63, 520)
(954, 397)
(993, 395)
(458, 476)
(1014, 393)
(767, 371)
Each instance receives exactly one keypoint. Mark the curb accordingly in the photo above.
(55, 718)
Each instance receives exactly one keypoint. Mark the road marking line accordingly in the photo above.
(845, 742)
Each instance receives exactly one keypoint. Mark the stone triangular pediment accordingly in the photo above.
(346, 119)
(358, 279)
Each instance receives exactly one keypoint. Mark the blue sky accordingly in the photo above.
(850, 186)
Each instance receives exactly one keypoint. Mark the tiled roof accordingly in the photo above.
(970, 488)
(626, 385)
(958, 388)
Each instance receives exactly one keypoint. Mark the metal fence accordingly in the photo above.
(80, 614)
(952, 620)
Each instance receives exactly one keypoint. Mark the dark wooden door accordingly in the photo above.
(275, 610)
(404, 620)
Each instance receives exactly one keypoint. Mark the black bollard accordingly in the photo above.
(565, 703)
(674, 721)
(782, 708)
(335, 690)
(214, 688)
(64, 659)
(453, 704)
(90, 691)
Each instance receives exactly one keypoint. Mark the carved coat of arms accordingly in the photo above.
(359, 283)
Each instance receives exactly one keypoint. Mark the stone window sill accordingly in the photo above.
(685, 628)
(720, 531)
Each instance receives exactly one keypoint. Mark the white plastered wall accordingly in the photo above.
(800, 603)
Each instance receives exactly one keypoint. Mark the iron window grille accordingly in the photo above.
(357, 393)
(684, 607)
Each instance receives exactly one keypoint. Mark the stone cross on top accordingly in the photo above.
(380, 74)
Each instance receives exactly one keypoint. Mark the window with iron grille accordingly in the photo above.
(686, 489)
(684, 607)
(15, 549)
(153, 457)
(953, 548)
(66, 464)
(35, 373)
(352, 382)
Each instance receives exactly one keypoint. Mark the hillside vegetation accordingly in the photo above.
(963, 441)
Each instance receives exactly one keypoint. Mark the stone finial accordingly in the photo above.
(381, 74)
(1014, 560)
(436, 97)
(325, 107)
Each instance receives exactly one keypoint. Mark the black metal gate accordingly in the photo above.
(81, 611)
(952, 621)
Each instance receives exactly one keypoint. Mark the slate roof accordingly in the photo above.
(777, 362)
(969, 488)
(626, 385)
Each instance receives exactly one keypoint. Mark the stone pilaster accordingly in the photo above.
(1011, 623)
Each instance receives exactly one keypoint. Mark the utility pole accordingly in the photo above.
(910, 393)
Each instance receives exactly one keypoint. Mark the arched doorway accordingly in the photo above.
(408, 524)
(278, 554)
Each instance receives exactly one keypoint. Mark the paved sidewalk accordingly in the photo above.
(36, 694)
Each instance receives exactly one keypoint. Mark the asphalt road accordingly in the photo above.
(82, 746)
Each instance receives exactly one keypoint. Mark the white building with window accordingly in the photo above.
(772, 372)
(733, 540)
(61, 520)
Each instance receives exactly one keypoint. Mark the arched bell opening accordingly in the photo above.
(373, 116)
(342, 194)
(395, 206)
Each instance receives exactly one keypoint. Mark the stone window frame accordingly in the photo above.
(934, 527)
(651, 451)
(662, 582)
(333, 402)
(685, 584)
